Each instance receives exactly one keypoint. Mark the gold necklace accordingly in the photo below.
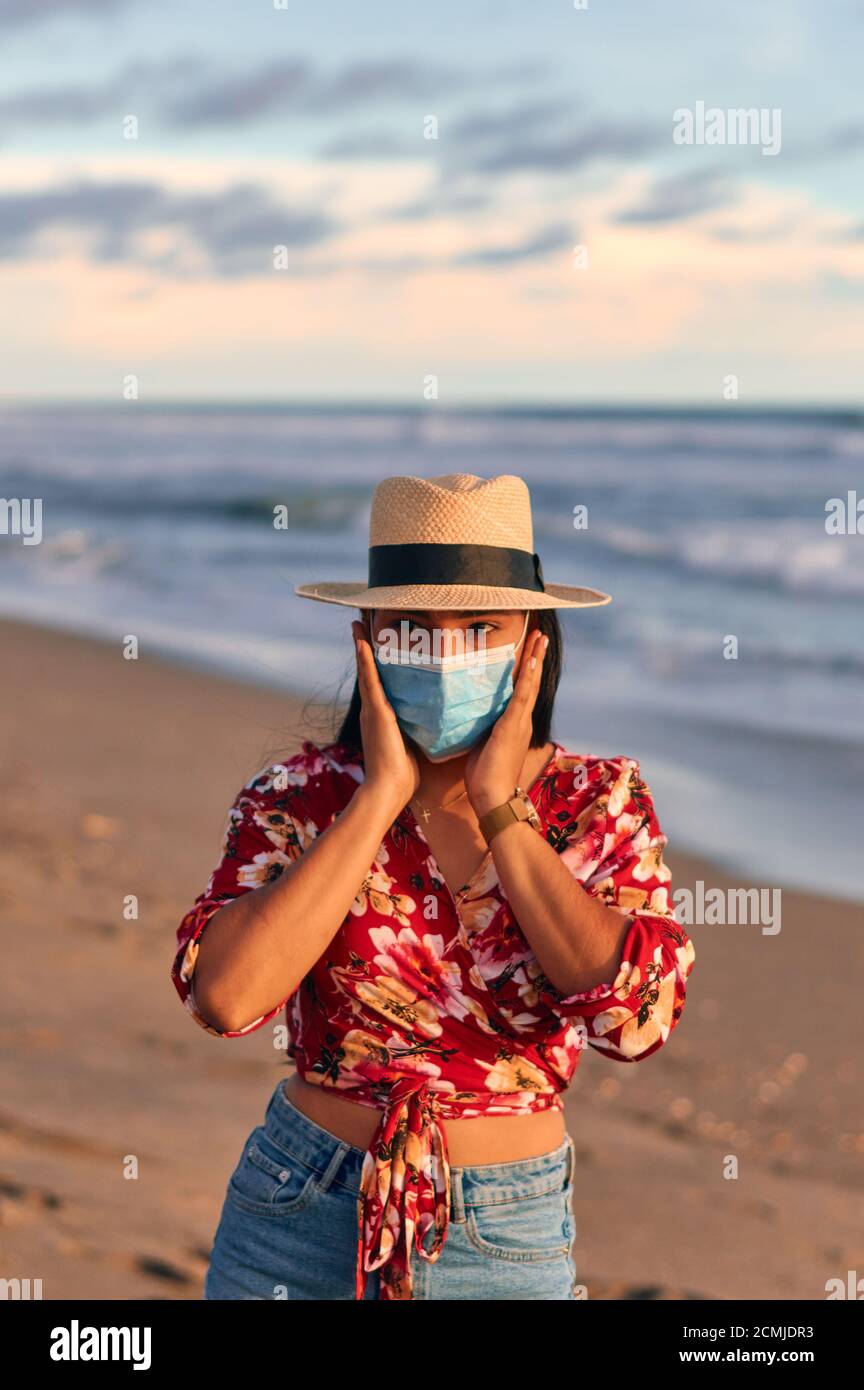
(426, 811)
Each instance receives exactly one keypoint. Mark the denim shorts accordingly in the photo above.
(288, 1228)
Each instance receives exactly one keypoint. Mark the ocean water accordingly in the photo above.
(158, 522)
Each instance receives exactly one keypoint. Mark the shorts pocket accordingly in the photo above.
(538, 1227)
(269, 1181)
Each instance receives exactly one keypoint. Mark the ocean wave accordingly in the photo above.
(128, 500)
(788, 555)
(76, 550)
(690, 652)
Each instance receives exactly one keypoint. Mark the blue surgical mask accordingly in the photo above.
(446, 704)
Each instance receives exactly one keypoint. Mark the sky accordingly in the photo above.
(466, 203)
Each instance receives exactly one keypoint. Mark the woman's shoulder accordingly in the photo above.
(313, 766)
(611, 784)
(601, 768)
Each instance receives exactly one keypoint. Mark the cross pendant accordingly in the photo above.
(425, 814)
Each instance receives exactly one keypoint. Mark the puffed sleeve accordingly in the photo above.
(631, 1016)
(270, 823)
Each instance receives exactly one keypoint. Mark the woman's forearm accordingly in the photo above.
(576, 939)
(256, 950)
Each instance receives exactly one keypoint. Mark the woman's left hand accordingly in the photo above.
(493, 768)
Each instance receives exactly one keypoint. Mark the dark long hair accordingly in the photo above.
(547, 621)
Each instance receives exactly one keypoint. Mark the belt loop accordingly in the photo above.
(457, 1196)
(571, 1159)
(333, 1166)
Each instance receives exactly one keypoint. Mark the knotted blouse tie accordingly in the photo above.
(404, 1189)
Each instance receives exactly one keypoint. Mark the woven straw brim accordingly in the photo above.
(472, 598)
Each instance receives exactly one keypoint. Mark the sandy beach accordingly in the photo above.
(116, 776)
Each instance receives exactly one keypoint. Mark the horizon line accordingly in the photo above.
(542, 407)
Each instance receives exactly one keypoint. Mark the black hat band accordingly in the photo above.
(494, 566)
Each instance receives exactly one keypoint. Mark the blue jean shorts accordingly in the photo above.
(288, 1228)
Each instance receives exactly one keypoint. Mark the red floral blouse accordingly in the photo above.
(429, 1005)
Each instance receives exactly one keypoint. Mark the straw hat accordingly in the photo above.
(453, 542)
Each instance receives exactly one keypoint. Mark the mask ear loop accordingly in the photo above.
(517, 645)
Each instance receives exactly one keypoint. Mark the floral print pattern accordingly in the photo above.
(429, 1005)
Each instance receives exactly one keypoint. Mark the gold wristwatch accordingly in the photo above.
(519, 807)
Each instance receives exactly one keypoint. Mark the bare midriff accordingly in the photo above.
(482, 1139)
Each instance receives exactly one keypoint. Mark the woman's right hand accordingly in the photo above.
(390, 767)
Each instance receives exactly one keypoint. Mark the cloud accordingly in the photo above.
(495, 125)
(132, 89)
(682, 196)
(484, 146)
(443, 201)
(476, 149)
(752, 236)
(375, 144)
(845, 140)
(394, 80)
(528, 137)
(543, 243)
(183, 94)
(841, 142)
(15, 14)
(224, 234)
(50, 105)
(234, 230)
(561, 152)
(294, 85)
(548, 241)
(455, 140)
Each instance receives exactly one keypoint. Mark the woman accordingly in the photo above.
(446, 943)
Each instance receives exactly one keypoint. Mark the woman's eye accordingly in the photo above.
(490, 627)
